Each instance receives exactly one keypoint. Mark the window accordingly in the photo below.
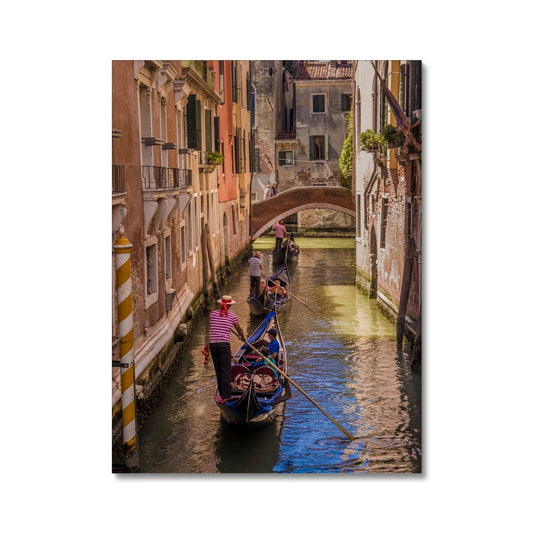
(190, 226)
(286, 157)
(358, 216)
(319, 103)
(256, 160)
(168, 258)
(233, 220)
(358, 118)
(254, 121)
(318, 147)
(183, 246)
(409, 216)
(151, 269)
(146, 124)
(194, 123)
(234, 82)
(346, 102)
(164, 154)
(384, 210)
(196, 222)
(208, 133)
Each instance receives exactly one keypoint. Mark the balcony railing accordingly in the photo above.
(165, 178)
(119, 178)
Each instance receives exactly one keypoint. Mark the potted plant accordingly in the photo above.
(392, 136)
(371, 141)
(215, 158)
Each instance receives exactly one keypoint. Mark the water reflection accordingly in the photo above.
(347, 364)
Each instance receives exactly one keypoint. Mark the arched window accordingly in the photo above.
(233, 220)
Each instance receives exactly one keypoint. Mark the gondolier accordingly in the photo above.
(280, 231)
(258, 394)
(221, 322)
(255, 273)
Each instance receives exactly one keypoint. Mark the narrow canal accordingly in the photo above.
(349, 368)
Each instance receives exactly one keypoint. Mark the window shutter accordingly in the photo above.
(326, 147)
(344, 102)
(311, 147)
(198, 125)
(208, 136)
(402, 86)
(408, 90)
(418, 85)
(191, 121)
(217, 133)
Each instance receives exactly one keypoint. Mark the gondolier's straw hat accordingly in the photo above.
(228, 300)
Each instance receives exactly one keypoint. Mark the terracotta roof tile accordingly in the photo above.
(324, 70)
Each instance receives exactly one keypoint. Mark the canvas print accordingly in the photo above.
(267, 266)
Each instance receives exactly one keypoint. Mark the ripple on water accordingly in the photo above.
(345, 360)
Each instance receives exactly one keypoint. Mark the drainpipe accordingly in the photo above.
(127, 370)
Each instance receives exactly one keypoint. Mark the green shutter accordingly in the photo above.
(311, 147)
(208, 137)
(326, 147)
(217, 133)
(198, 125)
(191, 121)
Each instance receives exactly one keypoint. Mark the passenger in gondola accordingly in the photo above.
(270, 352)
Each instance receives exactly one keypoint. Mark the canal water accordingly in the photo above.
(341, 351)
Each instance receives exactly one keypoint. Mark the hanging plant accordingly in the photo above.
(372, 141)
(215, 158)
(393, 136)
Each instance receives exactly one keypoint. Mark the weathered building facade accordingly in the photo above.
(387, 189)
(273, 119)
(170, 196)
(301, 109)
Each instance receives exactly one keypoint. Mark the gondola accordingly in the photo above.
(271, 297)
(257, 395)
(288, 251)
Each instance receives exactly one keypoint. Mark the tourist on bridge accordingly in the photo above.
(221, 321)
(274, 189)
(267, 191)
(280, 230)
(255, 273)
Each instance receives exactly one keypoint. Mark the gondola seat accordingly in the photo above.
(265, 370)
(236, 370)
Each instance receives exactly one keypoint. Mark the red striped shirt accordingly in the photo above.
(221, 325)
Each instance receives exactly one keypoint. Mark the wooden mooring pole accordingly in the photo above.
(404, 295)
(212, 262)
(127, 369)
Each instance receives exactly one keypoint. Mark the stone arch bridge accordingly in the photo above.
(266, 213)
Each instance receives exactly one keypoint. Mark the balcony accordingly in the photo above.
(204, 165)
(119, 179)
(285, 136)
(165, 178)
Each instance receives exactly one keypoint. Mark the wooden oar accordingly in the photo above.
(351, 437)
(298, 299)
(315, 260)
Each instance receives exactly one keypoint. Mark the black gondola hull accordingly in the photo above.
(250, 409)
